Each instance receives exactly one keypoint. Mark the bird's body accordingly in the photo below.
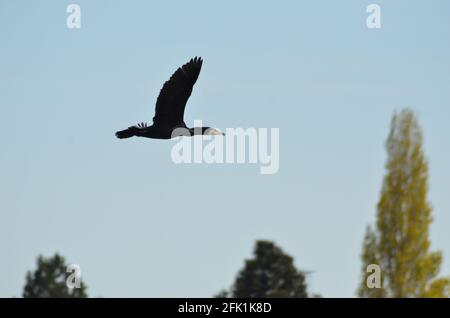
(168, 121)
(154, 131)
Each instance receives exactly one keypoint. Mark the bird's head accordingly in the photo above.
(210, 131)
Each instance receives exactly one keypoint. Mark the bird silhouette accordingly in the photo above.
(168, 121)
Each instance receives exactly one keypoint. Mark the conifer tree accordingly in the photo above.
(49, 280)
(270, 274)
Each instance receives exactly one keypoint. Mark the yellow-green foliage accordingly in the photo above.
(400, 242)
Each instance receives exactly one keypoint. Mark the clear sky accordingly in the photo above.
(139, 225)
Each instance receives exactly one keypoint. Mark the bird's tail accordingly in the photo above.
(127, 133)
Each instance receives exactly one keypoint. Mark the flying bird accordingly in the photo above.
(168, 121)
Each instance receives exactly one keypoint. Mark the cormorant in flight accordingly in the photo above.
(169, 111)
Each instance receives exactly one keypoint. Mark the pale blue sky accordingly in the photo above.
(139, 225)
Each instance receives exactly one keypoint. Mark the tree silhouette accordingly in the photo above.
(49, 280)
(400, 243)
(271, 273)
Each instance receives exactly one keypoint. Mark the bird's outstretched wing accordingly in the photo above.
(175, 93)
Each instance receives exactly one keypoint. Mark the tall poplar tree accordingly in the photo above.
(400, 243)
